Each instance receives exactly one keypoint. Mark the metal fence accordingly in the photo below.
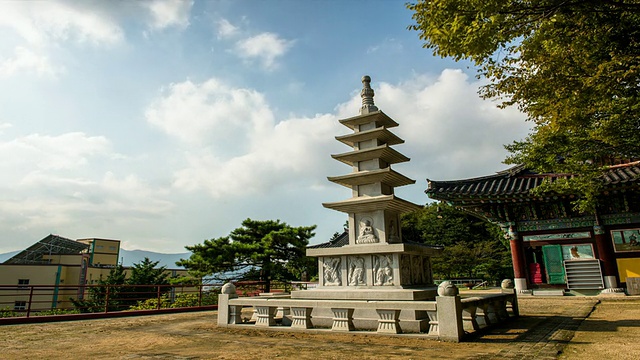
(40, 300)
(28, 301)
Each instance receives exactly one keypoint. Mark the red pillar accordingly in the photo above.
(517, 254)
(605, 252)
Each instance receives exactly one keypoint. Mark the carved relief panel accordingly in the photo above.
(356, 272)
(426, 266)
(405, 269)
(417, 270)
(382, 270)
(332, 272)
(367, 233)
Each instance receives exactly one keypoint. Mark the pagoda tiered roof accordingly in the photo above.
(371, 141)
(372, 203)
(380, 133)
(383, 152)
(381, 120)
(385, 175)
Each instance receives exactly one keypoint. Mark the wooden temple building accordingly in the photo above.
(554, 248)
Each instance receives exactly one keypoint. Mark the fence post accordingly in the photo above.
(106, 301)
(159, 297)
(30, 300)
(200, 294)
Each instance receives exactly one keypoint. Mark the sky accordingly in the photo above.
(164, 123)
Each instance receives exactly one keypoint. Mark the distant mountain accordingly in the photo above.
(130, 257)
(6, 256)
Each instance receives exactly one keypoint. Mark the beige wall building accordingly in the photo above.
(58, 268)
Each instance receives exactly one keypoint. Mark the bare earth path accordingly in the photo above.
(546, 329)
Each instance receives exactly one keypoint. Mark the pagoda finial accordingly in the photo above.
(367, 96)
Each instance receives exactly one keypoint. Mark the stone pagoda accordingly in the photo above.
(371, 261)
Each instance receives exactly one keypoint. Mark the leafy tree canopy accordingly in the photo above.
(472, 247)
(269, 250)
(571, 66)
(146, 273)
(124, 291)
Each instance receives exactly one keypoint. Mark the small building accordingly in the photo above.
(554, 247)
(60, 268)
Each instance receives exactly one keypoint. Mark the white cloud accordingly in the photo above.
(226, 29)
(168, 13)
(449, 130)
(294, 151)
(45, 152)
(54, 183)
(55, 202)
(39, 23)
(234, 145)
(265, 48)
(4, 126)
(25, 60)
(235, 148)
(210, 113)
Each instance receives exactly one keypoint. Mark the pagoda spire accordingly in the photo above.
(367, 96)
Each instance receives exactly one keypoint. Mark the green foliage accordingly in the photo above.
(573, 67)
(97, 295)
(181, 300)
(124, 291)
(58, 312)
(147, 272)
(473, 248)
(152, 303)
(185, 280)
(7, 312)
(273, 249)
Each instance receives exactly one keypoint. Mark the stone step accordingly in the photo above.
(548, 292)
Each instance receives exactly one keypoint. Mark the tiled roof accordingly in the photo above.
(623, 173)
(340, 241)
(517, 182)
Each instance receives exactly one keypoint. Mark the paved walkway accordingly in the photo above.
(544, 337)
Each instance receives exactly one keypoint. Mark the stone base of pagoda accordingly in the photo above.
(374, 294)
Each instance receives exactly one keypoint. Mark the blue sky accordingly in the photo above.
(164, 123)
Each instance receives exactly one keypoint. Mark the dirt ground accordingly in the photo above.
(612, 331)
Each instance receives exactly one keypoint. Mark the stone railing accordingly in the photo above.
(448, 318)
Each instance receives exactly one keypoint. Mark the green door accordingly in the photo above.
(552, 255)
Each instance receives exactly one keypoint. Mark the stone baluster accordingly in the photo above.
(388, 321)
(501, 309)
(301, 318)
(433, 322)
(266, 315)
(342, 319)
(469, 321)
(483, 318)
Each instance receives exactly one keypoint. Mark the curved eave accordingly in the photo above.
(385, 176)
(458, 199)
(516, 185)
(498, 186)
(384, 152)
(380, 133)
(373, 203)
(380, 118)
